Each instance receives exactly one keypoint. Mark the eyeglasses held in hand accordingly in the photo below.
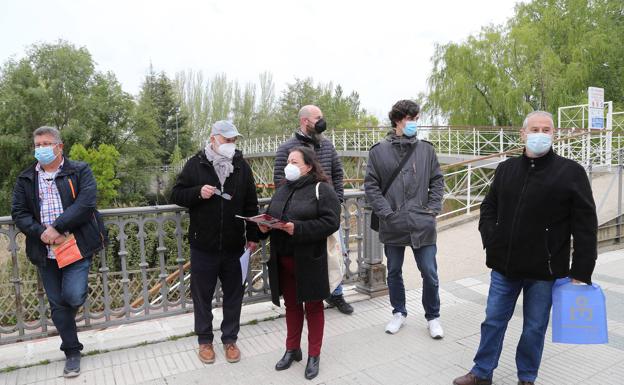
(223, 195)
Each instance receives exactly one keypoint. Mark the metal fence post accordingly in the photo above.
(469, 188)
(618, 227)
(372, 271)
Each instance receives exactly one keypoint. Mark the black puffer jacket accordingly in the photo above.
(314, 221)
(325, 153)
(77, 189)
(214, 226)
(529, 214)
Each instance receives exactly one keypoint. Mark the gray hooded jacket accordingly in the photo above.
(407, 212)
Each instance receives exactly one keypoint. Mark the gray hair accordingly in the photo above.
(540, 113)
(48, 130)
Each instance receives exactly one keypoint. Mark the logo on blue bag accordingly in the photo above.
(581, 311)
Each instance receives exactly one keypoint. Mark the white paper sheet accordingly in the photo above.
(244, 262)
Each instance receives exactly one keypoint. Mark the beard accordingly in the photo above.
(315, 136)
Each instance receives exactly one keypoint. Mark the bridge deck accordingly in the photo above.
(355, 349)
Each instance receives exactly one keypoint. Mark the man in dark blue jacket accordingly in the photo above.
(53, 198)
(536, 204)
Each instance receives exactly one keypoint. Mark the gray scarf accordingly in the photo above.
(223, 165)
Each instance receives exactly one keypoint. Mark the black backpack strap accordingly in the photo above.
(399, 168)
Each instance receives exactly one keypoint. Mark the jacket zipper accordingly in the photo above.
(515, 217)
(549, 254)
(221, 227)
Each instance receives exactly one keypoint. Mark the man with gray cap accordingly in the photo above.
(217, 184)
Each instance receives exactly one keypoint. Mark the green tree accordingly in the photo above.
(244, 109)
(103, 162)
(159, 97)
(544, 57)
(340, 111)
(55, 84)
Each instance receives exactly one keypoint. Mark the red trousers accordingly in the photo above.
(295, 311)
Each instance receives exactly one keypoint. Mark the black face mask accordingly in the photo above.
(320, 126)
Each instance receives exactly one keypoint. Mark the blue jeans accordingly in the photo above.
(426, 262)
(66, 289)
(502, 297)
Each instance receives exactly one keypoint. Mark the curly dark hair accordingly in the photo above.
(310, 159)
(401, 109)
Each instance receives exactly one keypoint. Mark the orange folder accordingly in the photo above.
(67, 252)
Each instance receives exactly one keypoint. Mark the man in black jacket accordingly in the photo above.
(216, 184)
(309, 134)
(537, 201)
(53, 198)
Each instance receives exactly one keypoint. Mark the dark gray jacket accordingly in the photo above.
(407, 212)
(326, 154)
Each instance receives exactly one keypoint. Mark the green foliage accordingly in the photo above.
(544, 57)
(340, 111)
(103, 162)
(55, 84)
(160, 104)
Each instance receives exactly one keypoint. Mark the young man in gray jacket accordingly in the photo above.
(407, 211)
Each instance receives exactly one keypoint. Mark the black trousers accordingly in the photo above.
(206, 267)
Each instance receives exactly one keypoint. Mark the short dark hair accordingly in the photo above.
(401, 109)
(310, 159)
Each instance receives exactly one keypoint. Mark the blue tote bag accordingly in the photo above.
(579, 314)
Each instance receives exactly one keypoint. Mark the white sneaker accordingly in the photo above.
(435, 329)
(398, 319)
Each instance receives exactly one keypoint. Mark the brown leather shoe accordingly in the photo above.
(206, 353)
(232, 354)
(471, 379)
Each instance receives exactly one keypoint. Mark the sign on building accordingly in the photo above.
(596, 107)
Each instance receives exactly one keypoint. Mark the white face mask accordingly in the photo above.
(292, 172)
(227, 149)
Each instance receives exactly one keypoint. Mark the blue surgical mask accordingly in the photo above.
(410, 128)
(539, 143)
(45, 155)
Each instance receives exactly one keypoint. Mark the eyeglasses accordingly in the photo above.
(223, 195)
(46, 144)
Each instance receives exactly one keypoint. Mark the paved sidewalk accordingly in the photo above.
(357, 351)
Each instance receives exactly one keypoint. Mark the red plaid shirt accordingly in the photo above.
(50, 205)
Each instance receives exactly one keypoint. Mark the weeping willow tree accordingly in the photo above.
(544, 57)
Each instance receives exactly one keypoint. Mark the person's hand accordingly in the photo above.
(49, 235)
(263, 228)
(60, 240)
(207, 191)
(252, 246)
(577, 282)
(289, 228)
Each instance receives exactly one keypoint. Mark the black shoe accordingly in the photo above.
(72, 366)
(312, 368)
(288, 358)
(339, 303)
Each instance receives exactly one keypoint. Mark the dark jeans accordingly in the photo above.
(501, 302)
(426, 262)
(206, 267)
(66, 289)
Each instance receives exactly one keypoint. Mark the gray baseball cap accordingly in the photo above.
(225, 128)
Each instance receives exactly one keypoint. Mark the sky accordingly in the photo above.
(381, 49)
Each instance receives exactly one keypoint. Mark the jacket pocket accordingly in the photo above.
(394, 223)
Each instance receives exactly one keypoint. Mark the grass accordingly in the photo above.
(13, 368)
